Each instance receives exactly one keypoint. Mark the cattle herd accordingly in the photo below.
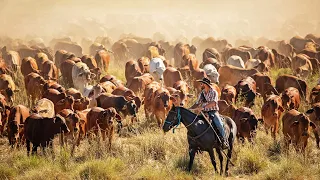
(71, 92)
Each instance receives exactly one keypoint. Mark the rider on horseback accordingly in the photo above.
(208, 102)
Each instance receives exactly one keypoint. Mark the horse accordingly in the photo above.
(201, 135)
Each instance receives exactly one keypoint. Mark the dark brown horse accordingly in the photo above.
(201, 136)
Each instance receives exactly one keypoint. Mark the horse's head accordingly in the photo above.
(173, 119)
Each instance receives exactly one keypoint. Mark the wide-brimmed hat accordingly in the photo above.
(205, 81)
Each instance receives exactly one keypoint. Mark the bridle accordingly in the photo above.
(178, 117)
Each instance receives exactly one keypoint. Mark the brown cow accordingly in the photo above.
(74, 92)
(119, 103)
(61, 56)
(35, 87)
(182, 85)
(138, 84)
(232, 75)
(246, 88)
(29, 65)
(123, 91)
(5, 111)
(40, 59)
(264, 86)
(296, 129)
(102, 119)
(246, 122)
(285, 81)
(161, 104)
(302, 66)
(82, 124)
(290, 98)
(179, 97)
(49, 71)
(315, 95)
(81, 104)
(266, 55)
(17, 117)
(103, 59)
(226, 109)
(229, 94)
(171, 76)
(132, 70)
(148, 97)
(245, 55)
(144, 64)
(54, 95)
(66, 71)
(72, 121)
(314, 115)
(92, 64)
(7, 87)
(40, 130)
(54, 85)
(112, 79)
(271, 112)
(66, 103)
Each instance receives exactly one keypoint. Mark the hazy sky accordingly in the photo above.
(174, 18)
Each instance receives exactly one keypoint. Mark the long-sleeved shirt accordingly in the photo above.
(206, 98)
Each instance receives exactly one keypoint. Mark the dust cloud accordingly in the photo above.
(175, 19)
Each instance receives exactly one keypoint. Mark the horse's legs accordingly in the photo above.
(221, 159)
(212, 159)
(229, 155)
(192, 154)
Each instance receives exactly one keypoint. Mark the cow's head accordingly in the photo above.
(165, 98)
(73, 120)
(302, 126)
(60, 125)
(131, 107)
(180, 98)
(274, 106)
(248, 122)
(81, 104)
(14, 130)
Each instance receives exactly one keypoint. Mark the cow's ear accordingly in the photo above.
(124, 107)
(310, 111)
(313, 125)
(173, 98)
(295, 123)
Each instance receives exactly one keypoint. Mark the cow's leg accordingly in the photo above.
(28, 147)
(275, 129)
(34, 148)
(220, 159)
(192, 154)
(211, 154)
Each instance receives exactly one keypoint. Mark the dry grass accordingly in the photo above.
(144, 152)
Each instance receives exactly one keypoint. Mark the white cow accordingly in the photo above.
(81, 76)
(157, 68)
(236, 61)
(92, 92)
(212, 73)
(44, 107)
(252, 63)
